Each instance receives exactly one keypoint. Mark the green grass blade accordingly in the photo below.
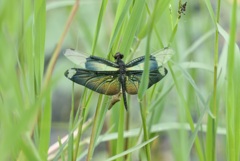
(231, 105)
(45, 127)
(98, 27)
(187, 113)
(29, 150)
(95, 128)
(236, 79)
(120, 140)
(121, 14)
(212, 121)
(132, 149)
(132, 26)
(39, 44)
(39, 41)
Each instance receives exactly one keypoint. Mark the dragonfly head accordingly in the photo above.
(118, 56)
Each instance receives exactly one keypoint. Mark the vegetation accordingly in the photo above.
(192, 114)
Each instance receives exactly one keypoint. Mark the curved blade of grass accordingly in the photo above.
(227, 37)
(29, 150)
(191, 81)
(56, 150)
(211, 12)
(197, 65)
(198, 127)
(137, 147)
(197, 43)
(157, 128)
(159, 99)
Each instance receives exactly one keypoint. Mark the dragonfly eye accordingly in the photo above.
(118, 55)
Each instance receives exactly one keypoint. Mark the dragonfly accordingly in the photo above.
(111, 78)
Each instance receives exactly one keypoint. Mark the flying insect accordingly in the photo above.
(110, 78)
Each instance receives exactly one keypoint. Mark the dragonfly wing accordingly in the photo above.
(99, 64)
(164, 55)
(156, 75)
(90, 62)
(134, 78)
(138, 64)
(157, 59)
(76, 57)
(133, 81)
(101, 82)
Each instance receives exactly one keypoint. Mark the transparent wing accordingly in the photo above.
(163, 56)
(101, 82)
(77, 58)
(157, 59)
(90, 62)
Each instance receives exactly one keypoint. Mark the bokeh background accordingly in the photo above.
(203, 37)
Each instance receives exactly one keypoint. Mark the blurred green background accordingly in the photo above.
(194, 110)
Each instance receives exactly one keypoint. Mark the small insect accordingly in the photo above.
(111, 78)
(181, 9)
